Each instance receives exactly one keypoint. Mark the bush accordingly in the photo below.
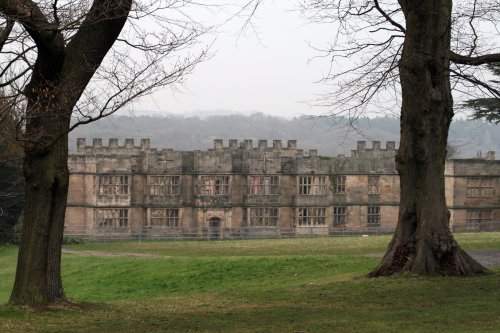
(12, 202)
(73, 241)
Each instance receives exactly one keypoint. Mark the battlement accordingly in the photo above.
(263, 145)
(113, 146)
(113, 143)
(376, 150)
(248, 144)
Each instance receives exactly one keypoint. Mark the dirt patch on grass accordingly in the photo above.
(487, 258)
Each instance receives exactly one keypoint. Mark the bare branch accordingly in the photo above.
(5, 32)
(388, 18)
(54, 14)
(474, 61)
(28, 13)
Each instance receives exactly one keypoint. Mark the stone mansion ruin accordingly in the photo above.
(239, 189)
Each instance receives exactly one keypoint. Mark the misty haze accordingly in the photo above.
(329, 135)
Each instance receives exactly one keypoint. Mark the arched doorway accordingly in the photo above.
(214, 228)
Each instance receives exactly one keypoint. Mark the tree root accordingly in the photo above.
(428, 258)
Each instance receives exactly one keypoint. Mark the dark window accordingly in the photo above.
(478, 217)
(111, 218)
(312, 185)
(311, 216)
(214, 185)
(263, 185)
(164, 185)
(339, 187)
(339, 215)
(373, 217)
(113, 185)
(267, 216)
(164, 217)
(479, 187)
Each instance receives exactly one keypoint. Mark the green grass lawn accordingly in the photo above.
(285, 285)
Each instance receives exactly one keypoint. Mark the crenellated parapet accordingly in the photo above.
(376, 151)
(113, 147)
(248, 144)
(128, 147)
(235, 157)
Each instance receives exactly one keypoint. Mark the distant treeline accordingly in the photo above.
(331, 136)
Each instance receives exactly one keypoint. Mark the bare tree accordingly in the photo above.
(409, 55)
(64, 63)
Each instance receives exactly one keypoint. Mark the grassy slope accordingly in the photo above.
(257, 286)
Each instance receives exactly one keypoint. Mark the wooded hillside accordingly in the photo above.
(329, 136)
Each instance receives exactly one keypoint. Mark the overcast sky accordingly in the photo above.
(270, 73)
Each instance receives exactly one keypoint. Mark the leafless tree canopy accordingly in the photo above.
(366, 50)
(159, 45)
(162, 42)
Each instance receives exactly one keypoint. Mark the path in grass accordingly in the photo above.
(112, 254)
(487, 258)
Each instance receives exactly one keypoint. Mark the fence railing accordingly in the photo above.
(207, 233)
(219, 233)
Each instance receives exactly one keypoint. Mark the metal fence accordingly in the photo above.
(206, 233)
(149, 233)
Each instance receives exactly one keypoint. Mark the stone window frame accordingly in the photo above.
(475, 217)
(263, 185)
(164, 185)
(113, 184)
(479, 187)
(312, 185)
(164, 217)
(339, 215)
(340, 182)
(373, 184)
(214, 185)
(311, 216)
(112, 218)
(263, 216)
(373, 216)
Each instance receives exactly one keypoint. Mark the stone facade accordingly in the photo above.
(240, 189)
(473, 192)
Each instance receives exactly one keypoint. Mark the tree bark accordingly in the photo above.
(423, 243)
(59, 77)
(38, 275)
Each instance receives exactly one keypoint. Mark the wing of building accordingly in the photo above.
(244, 191)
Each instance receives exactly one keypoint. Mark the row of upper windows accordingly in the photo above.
(219, 185)
(477, 187)
(480, 187)
(260, 216)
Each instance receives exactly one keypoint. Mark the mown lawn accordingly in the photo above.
(286, 285)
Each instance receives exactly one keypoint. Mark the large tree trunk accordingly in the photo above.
(38, 274)
(60, 75)
(423, 243)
